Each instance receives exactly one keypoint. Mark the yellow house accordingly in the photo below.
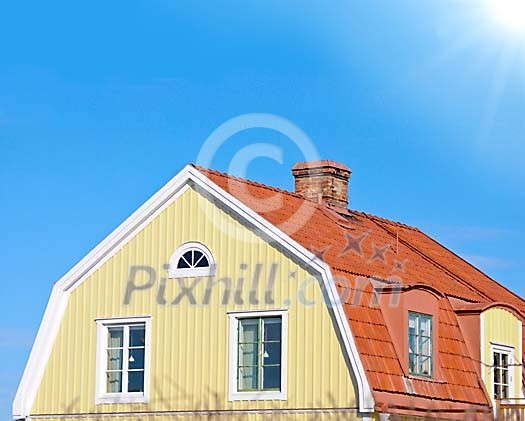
(221, 298)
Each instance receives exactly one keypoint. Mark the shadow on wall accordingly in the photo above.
(212, 405)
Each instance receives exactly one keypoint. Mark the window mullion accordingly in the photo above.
(125, 362)
(105, 358)
(418, 346)
(260, 347)
(238, 354)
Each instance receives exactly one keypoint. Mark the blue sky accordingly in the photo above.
(101, 103)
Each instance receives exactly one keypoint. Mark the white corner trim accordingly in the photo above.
(520, 354)
(48, 331)
(174, 272)
(42, 347)
(233, 393)
(482, 353)
(101, 397)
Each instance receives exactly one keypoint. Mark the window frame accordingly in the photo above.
(509, 351)
(103, 326)
(175, 272)
(418, 353)
(233, 393)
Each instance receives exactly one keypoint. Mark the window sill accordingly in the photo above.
(192, 273)
(121, 398)
(258, 396)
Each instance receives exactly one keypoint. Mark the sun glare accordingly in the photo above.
(510, 14)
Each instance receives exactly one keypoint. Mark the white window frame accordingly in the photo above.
(507, 350)
(417, 351)
(175, 272)
(233, 393)
(101, 395)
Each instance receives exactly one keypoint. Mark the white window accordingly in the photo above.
(123, 360)
(420, 344)
(502, 368)
(258, 355)
(191, 259)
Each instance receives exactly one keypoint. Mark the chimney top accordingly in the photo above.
(320, 164)
(323, 180)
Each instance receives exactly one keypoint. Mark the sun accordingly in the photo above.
(510, 14)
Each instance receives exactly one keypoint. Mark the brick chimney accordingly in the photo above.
(323, 180)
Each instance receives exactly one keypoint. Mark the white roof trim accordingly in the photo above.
(56, 307)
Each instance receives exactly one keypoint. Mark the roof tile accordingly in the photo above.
(360, 247)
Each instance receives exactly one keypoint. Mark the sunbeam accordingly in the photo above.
(491, 34)
(509, 14)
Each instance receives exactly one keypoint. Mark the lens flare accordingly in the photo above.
(510, 14)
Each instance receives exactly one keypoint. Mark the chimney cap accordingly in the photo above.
(324, 180)
(322, 163)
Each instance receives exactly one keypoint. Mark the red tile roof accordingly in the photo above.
(360, 246)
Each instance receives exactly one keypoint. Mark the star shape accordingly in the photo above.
(399, 265)
(353, 244)
(292, 274)
(320, 252)
(379, 253)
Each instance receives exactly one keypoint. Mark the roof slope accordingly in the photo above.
(410, 256)
(357, 245)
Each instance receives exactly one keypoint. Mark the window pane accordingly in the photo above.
(197, 255)
(505, 376)
(188, 256)
(425, 366)
(272, 353)
(425, 346)
(412, 344)
(497, 375)
(202, 263)
(504, 360)
(248, 378)
(497, 391)
(136, 358)
(412, 323)
(183, 264)
(272, 377)
(412, 363)
(505, 392)
(115, 359)
(137, 335)
(424, 326)
(114, 383)
(249, 331)
(136, 381)
(115, 337)
(248, 354)
(497, 359)
(272, 329)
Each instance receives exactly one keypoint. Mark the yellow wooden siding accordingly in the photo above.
(324, 416)
(189, 363)
(501, 327)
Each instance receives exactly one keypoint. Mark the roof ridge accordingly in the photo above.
(248, 181)
(385, 220)
(475, 268)
(298, 196)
